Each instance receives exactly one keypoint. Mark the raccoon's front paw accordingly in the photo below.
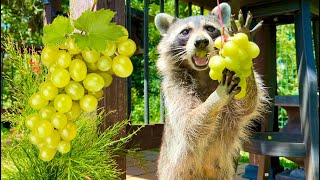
(230, 82)
(244, 26)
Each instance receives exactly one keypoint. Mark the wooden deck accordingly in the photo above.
(148, 172)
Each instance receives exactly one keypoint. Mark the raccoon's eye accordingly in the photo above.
(210, 28)
(185, 32)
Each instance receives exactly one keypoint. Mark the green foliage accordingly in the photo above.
(22, 19)
(19, 74)
(92, 154)
(286, 163)
(95, 25)
(286, 61)
(287, 78)
(91, 30)
(58, 31)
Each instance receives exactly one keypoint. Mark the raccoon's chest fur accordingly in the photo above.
(197, 81)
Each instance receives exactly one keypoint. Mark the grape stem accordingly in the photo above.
(94, 5)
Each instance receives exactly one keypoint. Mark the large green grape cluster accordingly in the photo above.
(236, 54)
(74, 84)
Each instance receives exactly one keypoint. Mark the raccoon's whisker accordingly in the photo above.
(179, 53)
(177, 48)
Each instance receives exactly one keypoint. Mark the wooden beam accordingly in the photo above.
(148, 137)
(115, 96)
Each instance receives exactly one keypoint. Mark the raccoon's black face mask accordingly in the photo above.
(189, 41)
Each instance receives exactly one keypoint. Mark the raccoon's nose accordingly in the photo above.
(201, 42)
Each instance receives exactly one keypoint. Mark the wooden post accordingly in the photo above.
(50, 10)
(115, 96)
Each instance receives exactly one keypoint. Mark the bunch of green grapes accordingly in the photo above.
(236, 54)
(73, 85)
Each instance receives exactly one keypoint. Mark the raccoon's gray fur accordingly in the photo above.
(205, 125)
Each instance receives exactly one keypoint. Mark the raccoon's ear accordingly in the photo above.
(225, 12)
(163, 22)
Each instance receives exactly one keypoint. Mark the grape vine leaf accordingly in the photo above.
(96, 29)
(57, 32)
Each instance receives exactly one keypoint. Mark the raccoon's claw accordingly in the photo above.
(240, 17)
(230, 81)
(244, 26)
(256, 28)
(248, 20)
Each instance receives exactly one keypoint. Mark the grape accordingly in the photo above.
(253, 49)
(127, 47)
(126, 34)
(48, 90)
(74, 112)
(52, 67)
(217, 63)
(59, 120)
(111, 72)
(243, 91)
(72, 46)
(243, 56)
(64, 147)
(217, 42)
(122, 66)
(34, 138)
(53, 140)
(236, 55)
(32, 120)
(63, 59)
(69, 132)
(97, 94)
(93, 82)
(63, 103)
(104, 63)
(244, 72)
(46, 153)
(110, 49)
(75, 90)
(229, 49)
(37, 102)
(215, 75)
(60, 77)
(240, 39)
(92, 66)
(44, 128)
(247, 65)
(69, 89)
(46, 112)
(232, 64)
(91, 56)
(107, 78)
(78, 70)
(48, 55)
(88, 103)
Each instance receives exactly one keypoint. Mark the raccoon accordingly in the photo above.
(205, 125)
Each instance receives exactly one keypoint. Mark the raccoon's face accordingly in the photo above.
(189, 41)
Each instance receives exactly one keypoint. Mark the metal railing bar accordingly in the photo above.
(176, 8)
(162, 106)
(161, 6)
(189, 8)
(129, 79)
(146, 61)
